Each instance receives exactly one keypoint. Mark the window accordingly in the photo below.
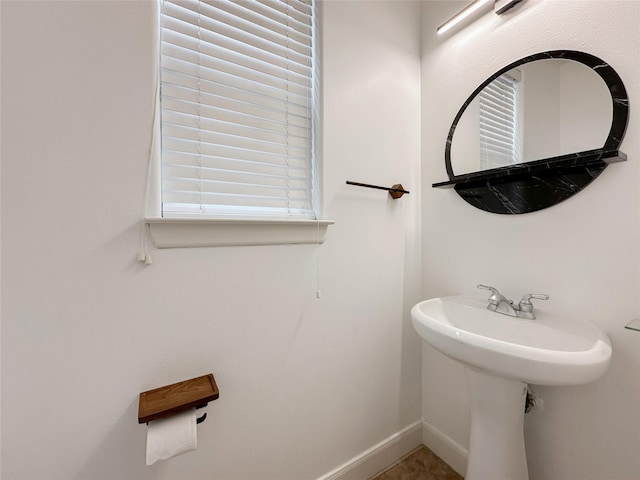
(500, 125)
(238, 109)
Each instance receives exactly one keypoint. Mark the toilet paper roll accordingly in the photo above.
(171, 436)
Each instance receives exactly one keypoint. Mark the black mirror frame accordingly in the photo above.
(532, 186)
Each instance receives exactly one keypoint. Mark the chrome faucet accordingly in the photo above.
(500, 304)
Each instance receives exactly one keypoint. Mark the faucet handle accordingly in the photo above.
(526, 305)
(487, 287)
(495, 297)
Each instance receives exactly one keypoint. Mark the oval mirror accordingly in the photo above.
(541, 109)
(536, 113)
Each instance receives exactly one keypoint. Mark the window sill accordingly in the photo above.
(199, 232)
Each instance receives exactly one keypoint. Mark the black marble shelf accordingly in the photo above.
(596, 158)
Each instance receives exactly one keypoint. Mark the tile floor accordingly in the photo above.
(420, 464)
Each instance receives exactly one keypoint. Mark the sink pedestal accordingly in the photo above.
(496, 440)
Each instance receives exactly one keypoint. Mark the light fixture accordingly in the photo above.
(500, 6)
(462, 14)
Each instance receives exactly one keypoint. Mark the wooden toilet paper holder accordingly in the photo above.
(177, 397)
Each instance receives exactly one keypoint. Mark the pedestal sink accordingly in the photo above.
(502, 355)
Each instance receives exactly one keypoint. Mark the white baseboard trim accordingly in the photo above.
(445, 447)
(380, 456)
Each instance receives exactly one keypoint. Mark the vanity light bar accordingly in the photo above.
(462, 14)
(500, 6)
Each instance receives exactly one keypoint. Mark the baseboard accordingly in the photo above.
(445, 447)
(380, 456)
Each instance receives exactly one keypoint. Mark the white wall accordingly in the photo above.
(465, 144)
(305, 383)
(584, 252)
(567, 109)
(541, 116)
(585, 124)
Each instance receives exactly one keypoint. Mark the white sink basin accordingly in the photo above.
(553, 349)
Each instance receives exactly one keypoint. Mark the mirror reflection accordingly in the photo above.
(538, 110)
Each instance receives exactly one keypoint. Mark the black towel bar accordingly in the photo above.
(396, 191)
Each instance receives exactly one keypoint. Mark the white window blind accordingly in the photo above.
(238, 108)
(499, 137)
